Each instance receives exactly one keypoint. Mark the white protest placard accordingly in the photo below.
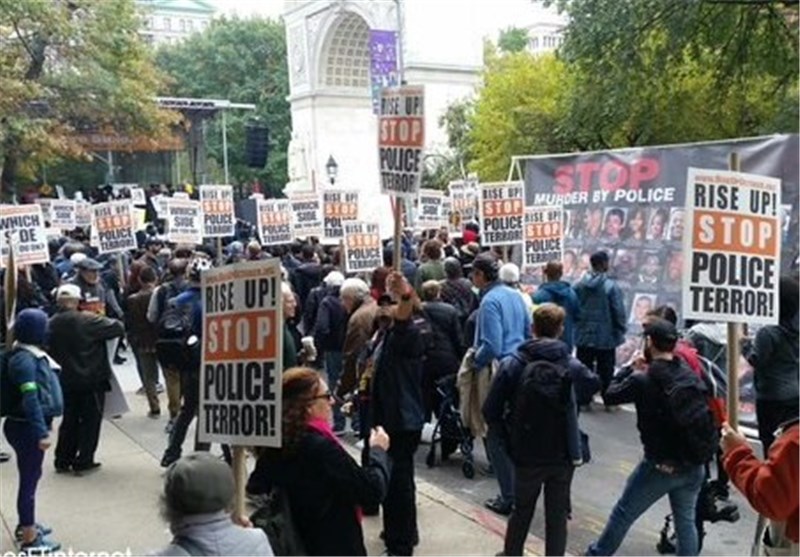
(274, 221)
(309, 219)
(62, 214)
(502, 208)
(464, 197)
(401, 138)
(22, 228)
(60, 192)
(138, 198)
(83, 214)
(429, 214)
(732, 247)
(219, 218)
(544, 236)
(339, 206)
(184, 221)
(240, 377)
(45, 203)
(363, 251)
(160, 205)
(113, 222)
(180, 195)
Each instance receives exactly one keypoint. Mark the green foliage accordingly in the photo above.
(67, 66)
(244, 61)
(512, 39)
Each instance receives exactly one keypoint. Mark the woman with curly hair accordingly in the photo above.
(324, 484)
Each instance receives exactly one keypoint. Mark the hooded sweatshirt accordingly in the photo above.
(601, 323)
(561, 293)
(775, 362)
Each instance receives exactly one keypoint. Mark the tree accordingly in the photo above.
(513, 39)
(68, 66)
(244, 61)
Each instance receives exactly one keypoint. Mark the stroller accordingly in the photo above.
(449, 432)
(712, 502)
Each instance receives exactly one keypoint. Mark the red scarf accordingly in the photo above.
(324, 427)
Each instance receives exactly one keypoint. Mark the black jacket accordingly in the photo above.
(306, 277)
(311, 308)
(331, 323)
(325, 485)
(458, 293)
(447, 349)
(397, 402)
(662, 443)
(78, 344)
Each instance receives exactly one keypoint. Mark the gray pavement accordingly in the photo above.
(116, 508)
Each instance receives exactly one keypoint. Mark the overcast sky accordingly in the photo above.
(484, 17)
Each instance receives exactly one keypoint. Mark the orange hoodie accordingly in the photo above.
(771, 487)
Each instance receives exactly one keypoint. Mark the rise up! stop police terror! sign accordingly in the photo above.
(401, 138)
(733, 248)
(502, 210)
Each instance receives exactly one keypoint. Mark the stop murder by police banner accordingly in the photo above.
(401, 138)
(219, 219)
(308, 215)
(22, 227)
(362, 247)
(184, 221)
(734, 247)
(114, 226)
(240, 378)
(502, 207)
(544, 236)
(275, 221)
(339, 206)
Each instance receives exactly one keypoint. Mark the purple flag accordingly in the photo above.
(383, 63)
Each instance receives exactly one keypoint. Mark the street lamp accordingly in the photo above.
(332, 168)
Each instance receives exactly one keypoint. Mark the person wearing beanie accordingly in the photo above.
(329, 333)
(600, 327)
(32, 396)
(197, 502)
(78, 343)
(509, 275)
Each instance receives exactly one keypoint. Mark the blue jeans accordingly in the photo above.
(497, 451)
(645, 486)
(333, 369)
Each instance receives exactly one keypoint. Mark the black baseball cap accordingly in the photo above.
(487, 263)
(661, 330)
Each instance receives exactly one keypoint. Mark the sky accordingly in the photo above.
(484, 17)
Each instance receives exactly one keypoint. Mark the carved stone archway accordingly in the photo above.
(344, 60)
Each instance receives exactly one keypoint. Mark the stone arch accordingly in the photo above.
(344, 59)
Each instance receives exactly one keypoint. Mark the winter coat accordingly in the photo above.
(561, 293)
(324, 485)
(311, 308)
(775, 362)
(430, 270)
(331, 324)
(305, 278)
(141, 333)
(96, 298)
(447, 348)
(458, 293)
(503, 324)
(397, 402)
(216, 534)
(601, 323)
(78, 344)
(29, 364)
(359, 330)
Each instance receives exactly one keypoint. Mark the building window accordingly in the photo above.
(535, 43)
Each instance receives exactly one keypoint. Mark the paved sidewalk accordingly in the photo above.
(116, 508)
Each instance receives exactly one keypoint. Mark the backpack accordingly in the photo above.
(688, 408)
(275, 518)
(176, 322)
(50, 395)
(538, 421)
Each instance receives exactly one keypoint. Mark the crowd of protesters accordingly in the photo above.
(371, 349)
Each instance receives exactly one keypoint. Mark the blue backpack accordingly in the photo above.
(50, 396)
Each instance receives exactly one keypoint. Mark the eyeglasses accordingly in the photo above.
(328, 395)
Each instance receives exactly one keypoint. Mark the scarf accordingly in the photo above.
(324, 428)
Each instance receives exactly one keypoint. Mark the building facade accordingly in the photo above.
(170, 21)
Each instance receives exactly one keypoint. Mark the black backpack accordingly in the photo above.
(176, 322)
(687, 408)
(275, 518)
(537, 426)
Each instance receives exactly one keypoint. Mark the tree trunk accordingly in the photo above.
(9, 176)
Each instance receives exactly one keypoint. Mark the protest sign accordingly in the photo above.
(430, 213)
(308, 215)
(362, 247)
(184, 221)
(139, 218)
(544, 236)
(240, 379)
(62, 214)
(502, 207)
(45, 203)
(274, 221)
(339, 206)
(138, 197)
(180, 195)
(464, 199)
(733, 247)
(22, 229)
(83, 214)
(401, 138)
(113, 223)
(160, 205)
(218, 214)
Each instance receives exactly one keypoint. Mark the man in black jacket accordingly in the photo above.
(329, 331)
(78, 344)
(307, 276)
(397, 406)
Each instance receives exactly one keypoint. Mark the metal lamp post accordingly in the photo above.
(332, 168)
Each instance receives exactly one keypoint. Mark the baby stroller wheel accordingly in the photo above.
(430, 460)
(468, 469)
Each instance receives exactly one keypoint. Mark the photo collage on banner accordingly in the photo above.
(240, 378)
(362, 247)
(184, 221)
(502, 211)
(309, 219)
(275, 221)
(401, 139)
(219, 219)
(113, 229)
(22, 229)
(339, 206)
